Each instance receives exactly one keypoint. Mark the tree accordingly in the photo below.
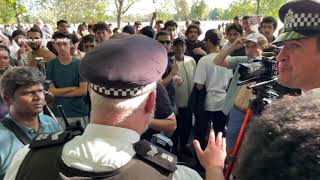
(240, 8)
(258, 7)
(164, 11)
(122, 6)
(199, 10)
(254, 7)
(216, 14)
(11, 11)
(269, 7)
(182, 8)
(74, 11)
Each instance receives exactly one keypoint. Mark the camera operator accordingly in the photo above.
(22, 90)
(237, 100)
(299, 58)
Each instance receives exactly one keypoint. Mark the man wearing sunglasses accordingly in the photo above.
(254, 46)
(167, 79)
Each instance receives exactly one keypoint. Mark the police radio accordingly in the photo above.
(162, 141)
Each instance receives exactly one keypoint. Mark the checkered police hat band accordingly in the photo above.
(303, 20)
(122, 93)
(292, 35)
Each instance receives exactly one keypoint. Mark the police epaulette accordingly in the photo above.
(48, 140)
(155, 154)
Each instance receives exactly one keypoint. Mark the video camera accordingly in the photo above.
(264, 72)
(258, 70)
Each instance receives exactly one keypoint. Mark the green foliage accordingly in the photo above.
(271, 7)
(75, 11)
(164, 12)
(216, 14)
(240, 8)
(249, 7)
(10, 11)
(182, 8)
(165, 16)
(199, 10)
(122, 6)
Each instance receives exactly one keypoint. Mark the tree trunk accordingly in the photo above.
(258, 7)
(17, 14)
(119, 20)
(119, 12)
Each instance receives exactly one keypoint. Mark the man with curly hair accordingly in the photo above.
(283, 143)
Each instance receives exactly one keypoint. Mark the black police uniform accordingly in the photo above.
(44, 162)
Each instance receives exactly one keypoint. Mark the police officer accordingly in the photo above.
(122, 75)
(299, 59)
(298, 67)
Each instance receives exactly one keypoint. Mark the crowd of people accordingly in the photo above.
(124, 86)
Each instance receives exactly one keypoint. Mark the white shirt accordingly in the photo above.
(100, 148)
(215, 78)
(14, 49)
(186, 69)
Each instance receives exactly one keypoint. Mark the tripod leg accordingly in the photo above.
(240, 138)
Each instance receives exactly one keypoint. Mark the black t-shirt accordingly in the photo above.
(191, 46)
(163, 110)
(170, 86)
(163, 105)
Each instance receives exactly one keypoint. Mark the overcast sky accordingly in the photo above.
(147, 6)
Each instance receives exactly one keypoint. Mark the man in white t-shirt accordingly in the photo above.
(215, 79)
(183, 84)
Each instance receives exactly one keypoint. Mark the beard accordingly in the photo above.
(192, 40)
(35, 47)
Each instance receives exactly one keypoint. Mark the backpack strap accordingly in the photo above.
(16, 130)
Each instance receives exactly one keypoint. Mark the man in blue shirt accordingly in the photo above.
(254, 45)
(67, 86)
(22, 91)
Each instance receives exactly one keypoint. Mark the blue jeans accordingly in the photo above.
(235, 121)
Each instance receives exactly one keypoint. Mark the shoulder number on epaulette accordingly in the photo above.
(155, 154)
(47, 140)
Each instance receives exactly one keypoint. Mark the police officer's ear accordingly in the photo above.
(150, 103)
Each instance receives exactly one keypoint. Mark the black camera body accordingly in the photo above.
(258, 70)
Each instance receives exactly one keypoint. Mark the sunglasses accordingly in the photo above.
(89, 46)
(165, 42)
